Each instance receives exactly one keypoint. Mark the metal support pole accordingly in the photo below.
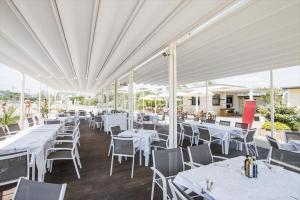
(251, 94)
(116, 93)
(39, 103)
(272, 103)
(197, 105)
(22, 102)
(172, 96)
(206, 99)
(130, 100)
(155, 101)
(143, 101)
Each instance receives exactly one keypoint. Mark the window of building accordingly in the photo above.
(194, 101)
(216, 100)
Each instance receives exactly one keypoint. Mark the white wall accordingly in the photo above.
(293, 97)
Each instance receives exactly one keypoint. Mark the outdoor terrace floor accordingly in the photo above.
(95, 182)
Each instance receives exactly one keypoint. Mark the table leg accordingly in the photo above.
(146, 160)
(226, 146)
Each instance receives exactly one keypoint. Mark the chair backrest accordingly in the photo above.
(115, 130)
(292, 135)
(146, 118)
(177, 192)
(123, 145)
(168, 161)
(33, 190)
(13, 166)
(52, 121)
(30, 121)
(37, 121)
(188, 130)
(273, 142)
(250, 135)
(224, 123)
(61, 115)
(204, 133)
(82, 113)
(13, 128)
(98, 119)
(210, 121)
(200, 154)
(179, 128)
(286, 159)
(241, 125)
(2, 132)
(149, 126)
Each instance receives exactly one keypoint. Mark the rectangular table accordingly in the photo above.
(142, 140)
(36, 140)
(230, 184)
(219, 131)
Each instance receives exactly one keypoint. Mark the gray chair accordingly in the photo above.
(179, 133)
(162, 143)
(30, 121)
(52, 121)
(36, 119)
(98, 122)
(115, 131)
(167, 163)
(179, 194)
(189, 133)
(292, 135)
(13, 129)
(206, 137)
(13, 166)
(32, 190)
(224, 123)
(247, 139)
(64, 153)
(3, 135)
(241, 125)
(123, 146)
(287, 159)
(210, 121)
(273, 142)
(201, 155)
(61, 115)
(149, 126)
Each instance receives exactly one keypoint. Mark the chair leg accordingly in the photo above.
(78, 161)
(111, 164)
(140, 157)
(182, 139)
(256, 151)
(109, 149)
(76, 168)
(132, 168)
(247, 150)
(153, 186)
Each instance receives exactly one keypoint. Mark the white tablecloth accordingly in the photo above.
(36, 140)
(142, 140)
(116, 119)
(219, 131)
(230, 184)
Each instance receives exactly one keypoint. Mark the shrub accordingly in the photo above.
(8, 117)
(277, 125)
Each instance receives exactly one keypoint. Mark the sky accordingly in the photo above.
(11, 79)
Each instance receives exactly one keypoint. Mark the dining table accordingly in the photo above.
(219, 131)
(36, 140)
(142, 140)
(226, 180)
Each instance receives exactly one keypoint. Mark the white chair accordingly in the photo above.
(123, 146)
(206, 137)
(33, 190)
(3, 135)
(13, 166)
(247, 139)
(114, 131)
(64, 153)
(190, 133)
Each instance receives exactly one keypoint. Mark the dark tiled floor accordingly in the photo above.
(95, 182)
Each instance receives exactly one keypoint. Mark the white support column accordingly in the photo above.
(22, 102)
(272, 103)
(115, 95)
(143, 101)
(251, 94)
(172, 96)
(206, 99)
(39, 103)
(197, 105)
(130, 100)
(155, 101)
